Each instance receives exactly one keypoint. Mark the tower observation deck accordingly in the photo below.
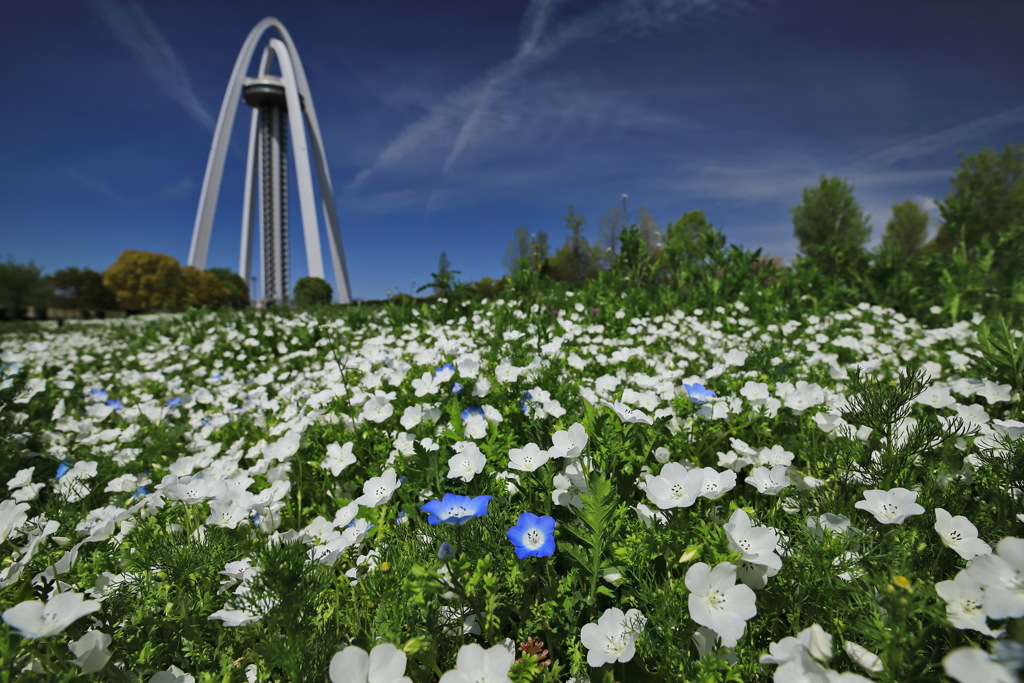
(282, 108)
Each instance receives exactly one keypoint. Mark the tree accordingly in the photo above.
(21, 285)
(526, 248)
(443, 281)
(906, 231)
(80, 289)
(574, 261)
(312, 291)
(145, 281)
(238, 290)
(986, 204)
(612, 223)
(649, 230)
(829, 223)
(203, 288)
(687, 240)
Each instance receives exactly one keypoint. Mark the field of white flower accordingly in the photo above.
(517, 493)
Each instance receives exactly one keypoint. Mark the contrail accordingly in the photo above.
(540, 41)
(135, 30)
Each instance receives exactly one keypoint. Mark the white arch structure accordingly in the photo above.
(297, 95)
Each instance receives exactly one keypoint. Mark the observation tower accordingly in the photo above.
(282, 108)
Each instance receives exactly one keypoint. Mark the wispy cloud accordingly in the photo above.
(94, 183)
(185, 186)
(133, 27)
(948, 139)
(457, 120)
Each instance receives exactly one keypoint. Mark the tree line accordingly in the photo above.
(976, 252)
(139, 281)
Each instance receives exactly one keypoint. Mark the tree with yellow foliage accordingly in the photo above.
(144, 281)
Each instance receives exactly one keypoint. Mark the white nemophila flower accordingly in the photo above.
(568, 485)
(377, 409)
(91, 653)
(674, 487)
(474, 664)
(378, 490)
(172, 675)
(22, 478)
(814, 640)
(776, 455)
(384, 664)
(862, 657)
(627, 414)
(971, 665)
(959, 534)
(1001, 574)
(803, 668)
(338, 457)
(649, 516)
(716, 484)
(528, 458)
(890, 507)
(36, 619)
(768, 482)
(569, 443)
(964, 602)
(466, 464)
(757, 544)
(834, 524)
(716, 601)
(12, 516)
(613, 637)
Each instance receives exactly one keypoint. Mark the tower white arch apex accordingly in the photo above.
(301, 115)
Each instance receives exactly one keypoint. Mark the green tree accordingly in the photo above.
(238, 290)
(204, 289)
(649, 230)
(907, 230)
(574, 261)
(312, 291)
(443, 281)
(531, 250)
(80, 289)
(22, 285)
(830, 225)
(985, 208)
(145, 281)
(685, 241)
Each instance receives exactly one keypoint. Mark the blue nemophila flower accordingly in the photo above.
(446, 551)
(173, 402)
(456, 388)
(445, 372)
(523, 406)
(456, 509)
(472, 410)
(698, 393)
(115, 404)
(533, 536)
(63, 468)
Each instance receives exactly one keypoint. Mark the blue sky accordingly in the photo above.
(449, 123)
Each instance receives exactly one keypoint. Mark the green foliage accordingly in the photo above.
(986, 203)
(80, 289)
(906, 231)
(830, 225)
(312, 291)
(1002, 352)
(443, 279)
(21, 285)
(234, 285)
